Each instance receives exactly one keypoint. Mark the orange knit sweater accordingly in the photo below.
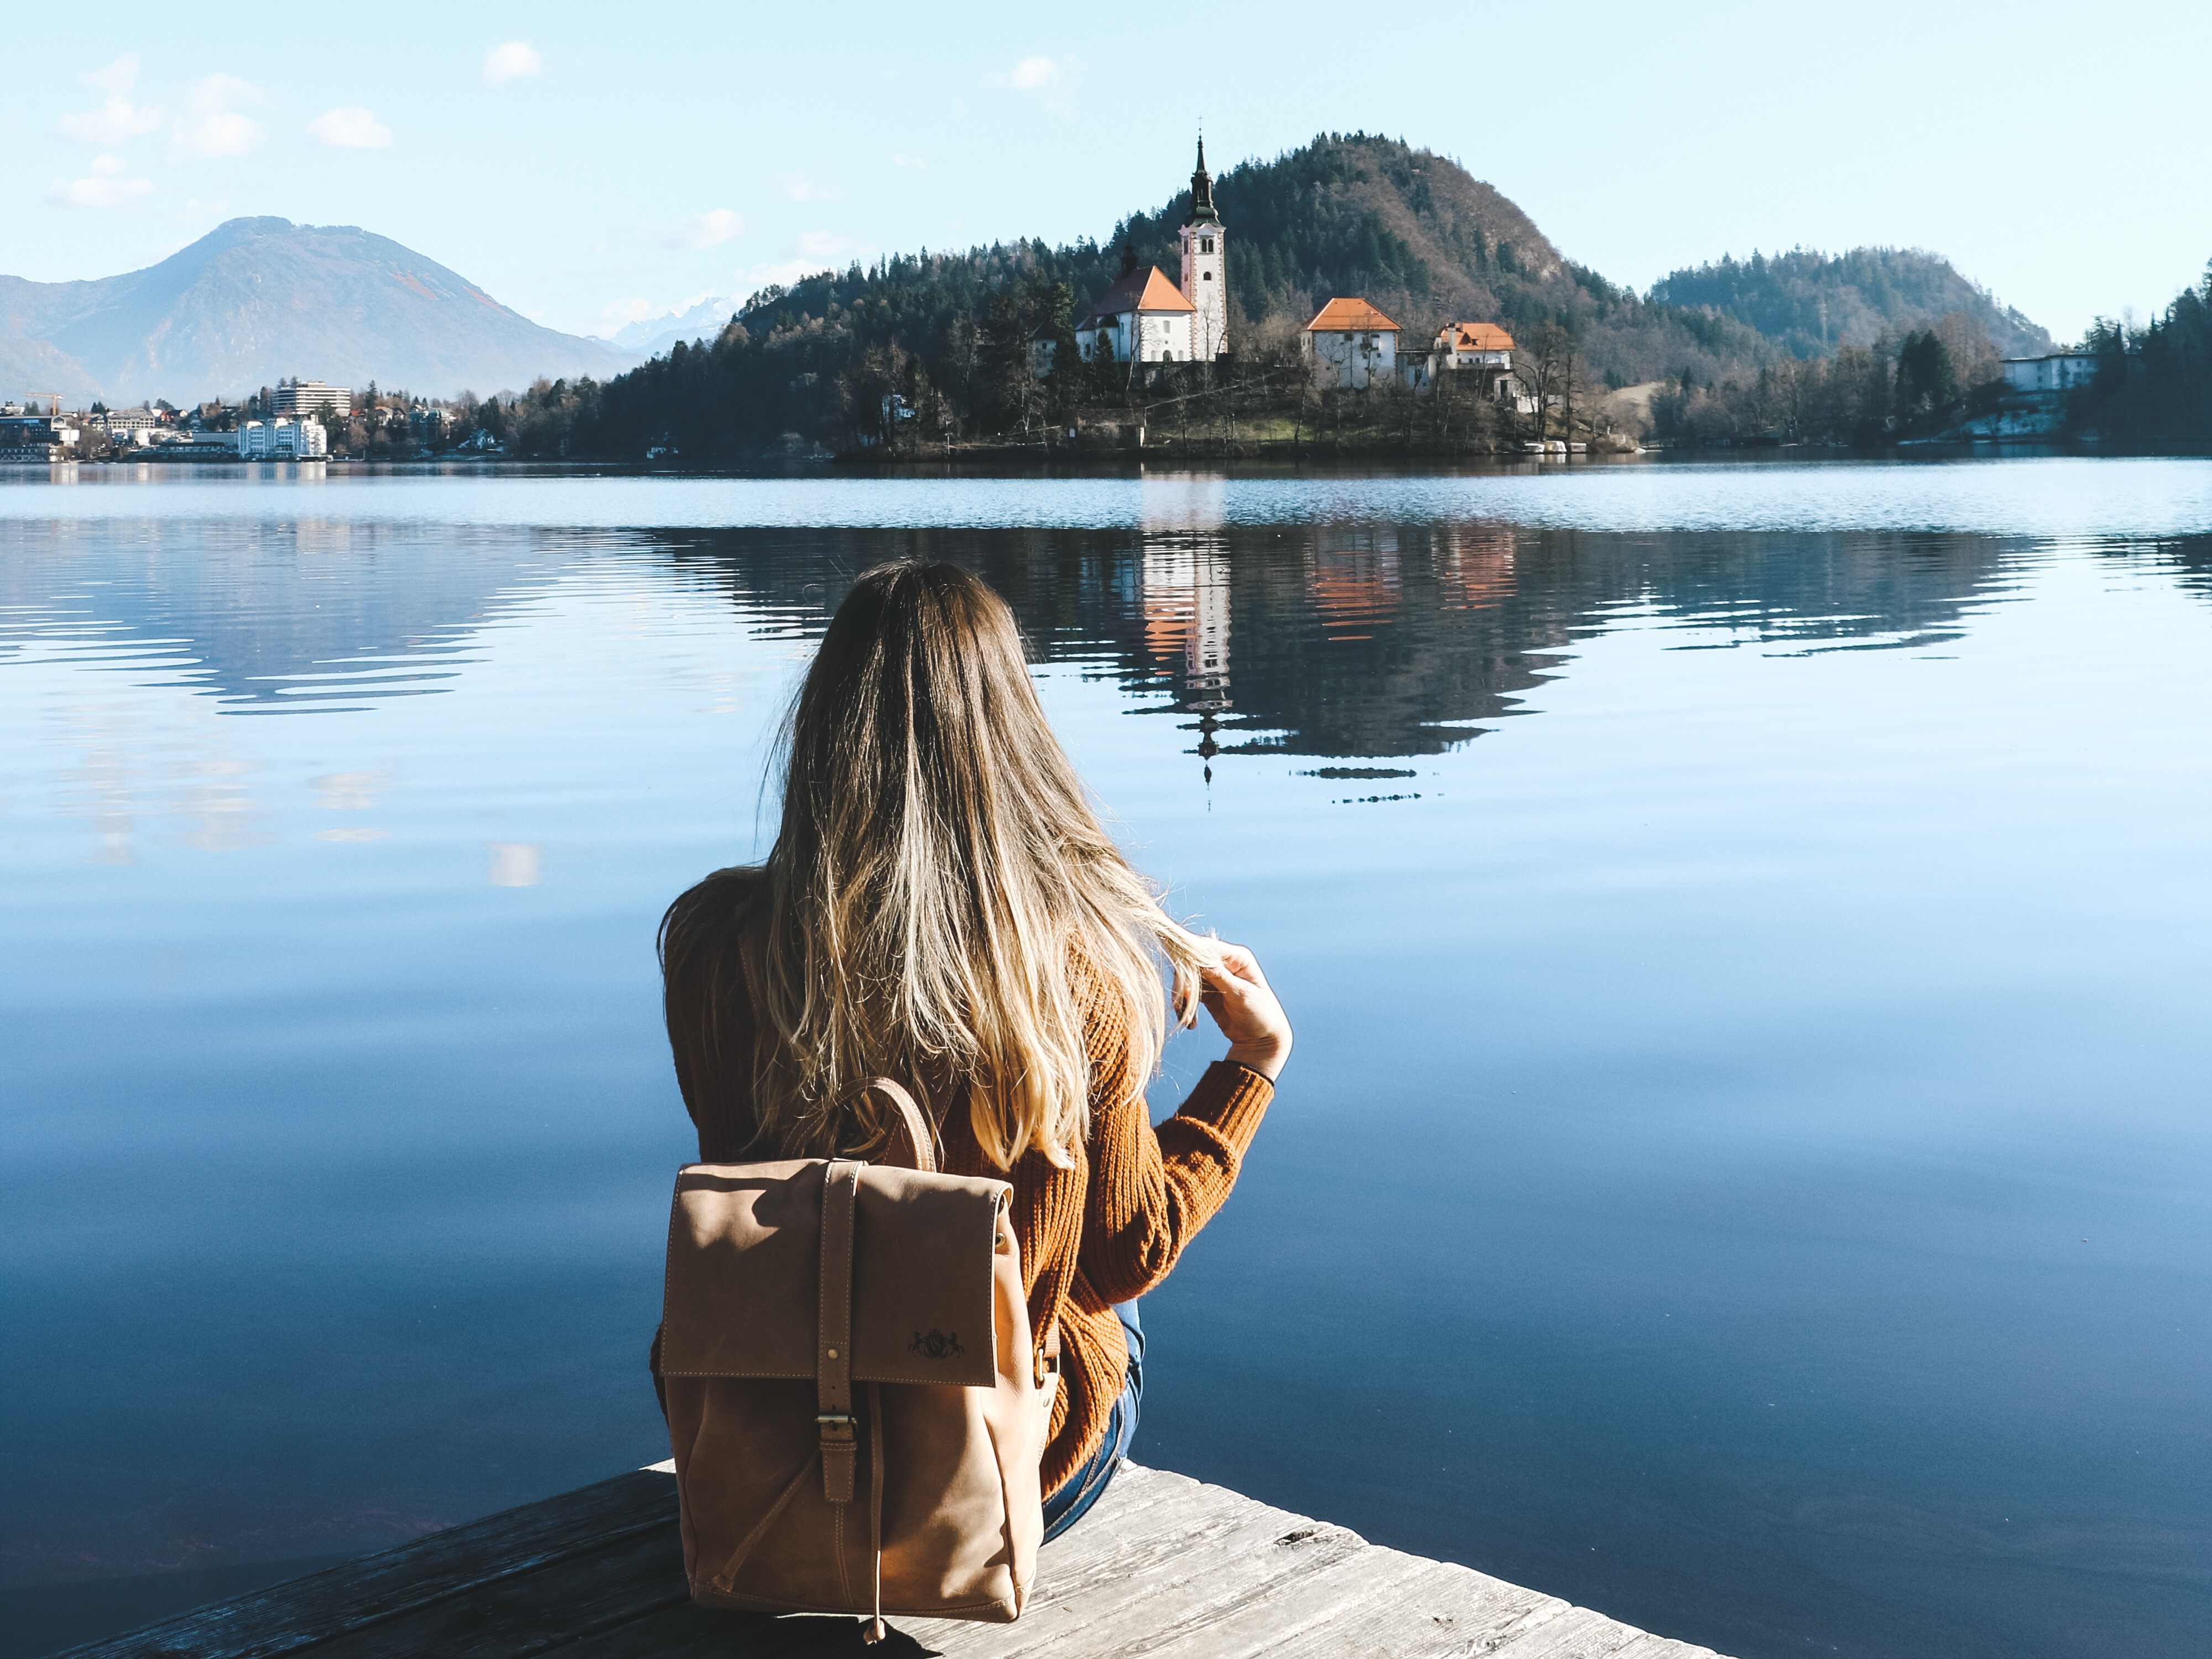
(1105, 1231)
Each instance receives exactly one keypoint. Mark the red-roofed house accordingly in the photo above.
(1350, 343)
(1482, 351)
(1144, 317)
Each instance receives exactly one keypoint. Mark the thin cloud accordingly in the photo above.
(918, 163)
(213, 127)
(830, 246)
(103, 186)
(513, 60)
(118, 77)
(1030, 74)
(118, 120)
(349, 126)
(797, 189)
(709, 230)
(1048, 77)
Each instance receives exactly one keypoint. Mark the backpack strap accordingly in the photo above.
(833, 1361)
(912, 1145)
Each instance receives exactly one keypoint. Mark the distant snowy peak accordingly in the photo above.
(655, 335)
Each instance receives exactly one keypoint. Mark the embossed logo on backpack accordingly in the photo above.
(936, 1346)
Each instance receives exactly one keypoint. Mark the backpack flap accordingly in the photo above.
(744, 1292)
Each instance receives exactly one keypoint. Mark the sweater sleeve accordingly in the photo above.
(1151, 1190)
(709, 1017)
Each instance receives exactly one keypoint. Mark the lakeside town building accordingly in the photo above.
(283, 440)
(128, 426)
(25, 436)
(2037, 397)
(301, 398)
(2056, 371)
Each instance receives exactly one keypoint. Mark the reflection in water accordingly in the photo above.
(275, 618)
(348, 791)
(1715, 1001)
(1397, 641)
(1350, 641)
(516, 863)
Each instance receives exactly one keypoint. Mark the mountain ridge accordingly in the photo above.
(260, 298)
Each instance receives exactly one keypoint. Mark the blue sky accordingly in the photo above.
(590, 166)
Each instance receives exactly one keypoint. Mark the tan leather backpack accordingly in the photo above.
(845, 1363)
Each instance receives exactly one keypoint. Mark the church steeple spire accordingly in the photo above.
(1202, 191)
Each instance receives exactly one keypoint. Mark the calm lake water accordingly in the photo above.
(1747, 1166)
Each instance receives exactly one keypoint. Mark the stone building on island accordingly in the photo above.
(1350, 343)
(1142, 318)
(1146, 317)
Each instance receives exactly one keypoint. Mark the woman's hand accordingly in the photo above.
(1244, 1007)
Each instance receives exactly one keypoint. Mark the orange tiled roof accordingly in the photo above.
(1479, 337)
(1146, 289)
(1349, 315)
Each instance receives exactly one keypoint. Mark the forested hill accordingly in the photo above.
(1412, 231)
(1357, 213)
(1809, 303)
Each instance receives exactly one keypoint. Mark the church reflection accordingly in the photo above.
(1331, 640)
(1371, 639)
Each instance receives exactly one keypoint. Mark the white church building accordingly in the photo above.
(1144, 317)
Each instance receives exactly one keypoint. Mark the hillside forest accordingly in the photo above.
(925, 352)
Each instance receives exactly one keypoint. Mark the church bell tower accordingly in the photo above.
(1206, 268)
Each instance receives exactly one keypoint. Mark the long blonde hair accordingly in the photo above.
(942, 900)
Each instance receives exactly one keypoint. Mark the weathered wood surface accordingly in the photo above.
(1164, 1566)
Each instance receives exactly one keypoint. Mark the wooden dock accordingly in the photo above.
(1164, 1566)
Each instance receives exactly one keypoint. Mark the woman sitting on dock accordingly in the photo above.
(942, 906)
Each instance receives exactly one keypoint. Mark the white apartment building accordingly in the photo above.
(298, 398)
(2061, 371)
(282, 439)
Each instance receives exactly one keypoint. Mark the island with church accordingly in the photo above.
(1149, 333)
(1358, 295)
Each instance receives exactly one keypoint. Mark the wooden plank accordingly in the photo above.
(1164, 1568)
(1445, 1609)
(523, 1611)
(1168, 1568)
(688, 1632)
(1648, 1646)
(1436, 1609)
(1374, 1603)
(388, 1585)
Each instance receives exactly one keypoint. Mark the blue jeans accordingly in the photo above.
(1088, 1484)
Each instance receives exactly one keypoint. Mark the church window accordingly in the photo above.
(1209, 276)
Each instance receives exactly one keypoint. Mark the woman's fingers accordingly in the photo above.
(1244, 1005)
(1240, 962)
